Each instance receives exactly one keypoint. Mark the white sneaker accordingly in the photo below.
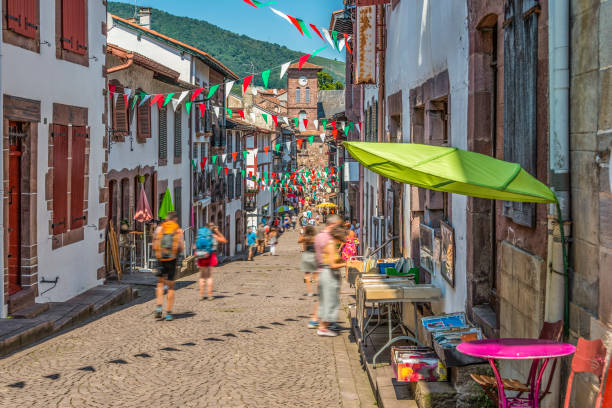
(326, 333)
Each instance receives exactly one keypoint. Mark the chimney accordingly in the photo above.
(145, 17)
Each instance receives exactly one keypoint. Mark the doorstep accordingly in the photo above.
(16, 333)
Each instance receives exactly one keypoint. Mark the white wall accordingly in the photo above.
(426, 37)
(3, 309)
(76, 85)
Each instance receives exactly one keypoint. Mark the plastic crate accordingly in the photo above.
(384, 265)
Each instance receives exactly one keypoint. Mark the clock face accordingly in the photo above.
(302, 81)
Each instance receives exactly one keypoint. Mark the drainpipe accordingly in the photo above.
(130, 61)
(3, 311)
(557, 278)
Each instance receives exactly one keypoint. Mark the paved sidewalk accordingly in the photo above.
(249, 347)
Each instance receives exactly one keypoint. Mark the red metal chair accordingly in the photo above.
(550, 331)
(590, 357)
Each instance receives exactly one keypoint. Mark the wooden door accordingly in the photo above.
(14, 217)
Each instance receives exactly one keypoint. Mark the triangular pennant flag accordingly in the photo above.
(284, 69)
(359, 127)
(328, 37)
(204, 160)
(296, 23)
(253, 117)
(303, 60)
(155, 99)
(304, 28)
(297, 122)
(277, 147)
(286, 120)
(188, 106)
(348, 47)
(334, 124)
(241, 113)
(275, 119)
(216, 109)
(265, 117)
(266, 149)
(168, 98)
(343, 125)
(346, 130)
(299, 142)
(175, 103)
(311, 140)
(288, 144)
(305, 123)
(322, 137)
(243, 172)
(212, 90)
(229, 112)
(193, 164)
(245, 154)
(183, 96)
(266, 77)
(335, 38)
(335, 133)
(341, 44)
(111, 90)
(228, 88)
(316, 124)
(254, 91)
(214, 159)
(324, 124)
(234, 171)
(134, 101)
(223, 157)
(316, 30)
(195, 93)
(226, 169)
(234, 155)
(314, 54)
(218, 169)
(143, 99)
(283, 15)
(245, 83)
(127, 92)
(202, 107)
(249, 2)
(350, 125)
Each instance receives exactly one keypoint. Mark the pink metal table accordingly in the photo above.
(517, 349)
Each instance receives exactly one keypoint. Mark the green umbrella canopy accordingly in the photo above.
(451, 170)
(166, 205)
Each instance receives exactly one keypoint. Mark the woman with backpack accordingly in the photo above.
(207, 241)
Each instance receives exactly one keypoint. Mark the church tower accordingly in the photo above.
(303, 90)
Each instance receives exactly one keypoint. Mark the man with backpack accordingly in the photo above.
(168, 244)
(207, 240)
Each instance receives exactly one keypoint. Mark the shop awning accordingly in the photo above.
(451, 170)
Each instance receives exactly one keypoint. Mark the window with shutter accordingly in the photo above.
(163, 133)
(60, 178)
(238, 186)
(307, 95)
(74, 31)
(520, 88)
(230, 186)
(22, 17)
(121, 125)
(77, 177)
(143, 121)
(297, 95)
(178, 126)
(178, 204)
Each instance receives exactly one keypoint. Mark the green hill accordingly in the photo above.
(233, 50)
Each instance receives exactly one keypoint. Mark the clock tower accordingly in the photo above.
(303, 90)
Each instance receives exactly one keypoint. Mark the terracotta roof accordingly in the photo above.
(199, 53)
(307, 65)
(141, 60)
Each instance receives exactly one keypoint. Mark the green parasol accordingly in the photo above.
(451, 170)
(166, 205)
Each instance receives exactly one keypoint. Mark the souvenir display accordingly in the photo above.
(411, 364)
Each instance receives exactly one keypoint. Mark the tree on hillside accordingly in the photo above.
(326, 82)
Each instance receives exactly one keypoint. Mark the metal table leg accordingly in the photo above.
(392, 340)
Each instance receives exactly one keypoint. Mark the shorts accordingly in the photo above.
(210, 261)
(309, 263)
(167, 269)
(260, 242)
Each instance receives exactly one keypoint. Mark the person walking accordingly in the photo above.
(294, 221)
(261, 239)
(320, 241)
(206, 264)
(168, 243)
(273, 241)
(251, 241)
(309, 262)
(329, 283)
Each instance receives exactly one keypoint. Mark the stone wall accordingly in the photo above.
(522, 289)
(590, 143)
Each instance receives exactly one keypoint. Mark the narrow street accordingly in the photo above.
(249, 347)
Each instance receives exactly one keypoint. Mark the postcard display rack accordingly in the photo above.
(444, 334)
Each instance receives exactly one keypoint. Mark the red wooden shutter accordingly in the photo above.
(77, 184)
(60, 178)
(120, 116)
(22, 17)
(144, 121)
(74, 34)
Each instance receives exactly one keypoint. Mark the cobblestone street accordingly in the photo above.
(250, 346)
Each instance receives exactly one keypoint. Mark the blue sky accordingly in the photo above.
(261, 24)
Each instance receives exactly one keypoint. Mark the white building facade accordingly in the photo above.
(54, 150)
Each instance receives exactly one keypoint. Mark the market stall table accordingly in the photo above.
(517, 349)
(388, 292)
